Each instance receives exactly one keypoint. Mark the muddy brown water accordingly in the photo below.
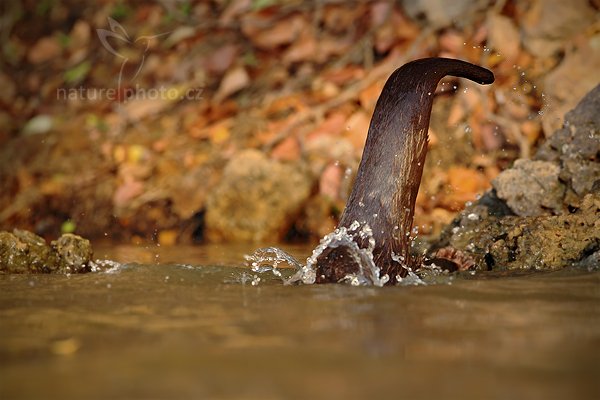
(188, 327)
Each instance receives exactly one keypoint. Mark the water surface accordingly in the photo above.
(189, 328)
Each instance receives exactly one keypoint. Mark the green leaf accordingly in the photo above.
(78, 72)
(68, 226)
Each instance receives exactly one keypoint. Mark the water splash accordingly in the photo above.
(268, 259)
(105, 266)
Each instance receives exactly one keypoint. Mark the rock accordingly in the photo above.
(74, 253)
(255, 199)
(25, 252)
(576, 148)
(531, 188)
(563, 179)
(512, 242)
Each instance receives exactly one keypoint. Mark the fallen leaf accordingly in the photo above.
(38, 125)
(179, 34)
(452, 42)
(127, 191)
(287, 150)
(261, 31)
(333, 125)
(80, 35)
(235, 9)
(220, 60)
(234, 81)
(491, 137)
(463, 185)
(357, 127)
(330, 181)
(504, 37)
(78, 73)
(341, 76)
(44, 49)
(303, 49)
(368, 97)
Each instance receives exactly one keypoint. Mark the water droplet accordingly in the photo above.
(473, 217)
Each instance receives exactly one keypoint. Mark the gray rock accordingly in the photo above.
(564, 180)
(531, 188)
(255, 199)
(576, 148)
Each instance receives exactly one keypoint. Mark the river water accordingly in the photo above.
(186, 322)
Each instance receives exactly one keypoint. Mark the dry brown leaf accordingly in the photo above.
(235, 80)
(338, 19)
(368, 97)
(80, 35)
(138, 109)
(303, 49)
(357, 127)
(463, 185)
(287, 150)
(452, 42)
(285, 104)
(504, 37)
(221, 59)
(127, 191)
(234, 9)
(491, 138)
(44, 50)
(261, 31)
(333, 125)
(344, 75)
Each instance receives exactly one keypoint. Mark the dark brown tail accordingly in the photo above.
(391, 167)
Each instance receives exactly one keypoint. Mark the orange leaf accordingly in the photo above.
(287, 150)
